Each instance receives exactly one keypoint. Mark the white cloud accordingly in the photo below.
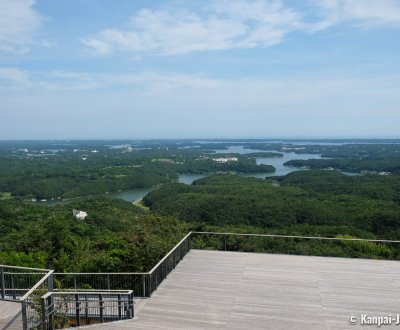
(372, 12)
(146, 83)
(225, 25)
(230, 24)
(14, 78)
(18, 22)
(363, 13)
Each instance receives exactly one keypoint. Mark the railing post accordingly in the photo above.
(74, 281)
(24, 316)
(13, 287)
(3, 284)
(108, 282)
(144, 284)
(51, 307)
(86, 309)
(225, 241)
(77, 310)
(119, 307)
(131, 306)
(50, 283)
(149, 285)
(101, 304)
(44, 313)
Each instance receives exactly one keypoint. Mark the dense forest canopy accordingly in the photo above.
(119, 236)
(232, 199)
(116, 236)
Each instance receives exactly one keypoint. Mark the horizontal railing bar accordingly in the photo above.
(170, 252)
(28, 268)
(20, 289)
(37, 273)
(100, 273)
(301, 237)
(89, 291)
(107, 293)
(44, 278)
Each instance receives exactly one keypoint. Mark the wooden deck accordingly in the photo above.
(10, 315)
(231, 290)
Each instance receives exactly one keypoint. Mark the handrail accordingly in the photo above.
(296, 236)
(147, 276)
(76, 308)
(88, 290)
(126, 273)
(43, 270)
(148, 284)
(92, 292)
(141, 283)
(170, 252)
(234, 234)
(44, 278)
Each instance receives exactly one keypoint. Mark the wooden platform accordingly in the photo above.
(231, 290)
(10, 315)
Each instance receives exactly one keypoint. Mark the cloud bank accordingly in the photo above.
(236, 24)
(18, 23)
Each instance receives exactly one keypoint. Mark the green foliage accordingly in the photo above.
(31, 259)
(234, 200)
(376, 187)
(5, 196)
(391, 165)
(300, 246)
(116, 236)
(361, 248)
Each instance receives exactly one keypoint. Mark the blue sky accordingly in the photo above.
(199, 69)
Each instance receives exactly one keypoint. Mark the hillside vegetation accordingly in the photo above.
(304, 199)
(116, 236)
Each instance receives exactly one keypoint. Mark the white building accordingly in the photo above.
(81, 215)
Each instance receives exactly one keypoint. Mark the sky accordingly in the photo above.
(100, 69)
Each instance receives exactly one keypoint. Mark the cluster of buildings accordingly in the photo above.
(225, 159)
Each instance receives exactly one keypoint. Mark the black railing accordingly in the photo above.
(168, 264)
(15, 281)
(301, 245)
(44, 310)
(78, 308)
(138, 282)
(25, 286)
(142, 284)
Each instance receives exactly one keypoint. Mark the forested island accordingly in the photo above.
(45, 171)
(119, 236)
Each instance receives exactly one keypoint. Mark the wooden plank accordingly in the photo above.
(232, 290)
(10, 315)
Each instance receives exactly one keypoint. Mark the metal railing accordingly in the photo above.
(31, 309)
(161, 270)
(78, 308)
(93, 296)
(15, 281)
(142, 284)
(300, 245)
(26, 286)
(137, 282)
